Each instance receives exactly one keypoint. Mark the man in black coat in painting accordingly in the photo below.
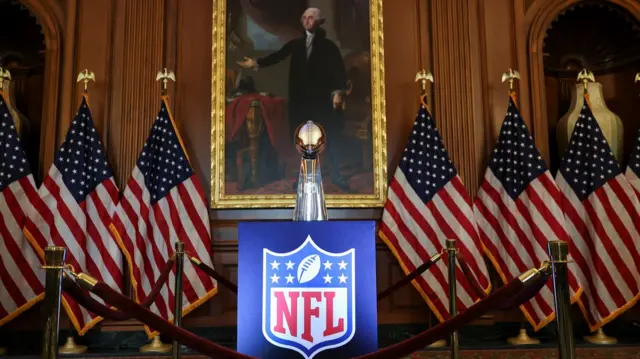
(317, 84)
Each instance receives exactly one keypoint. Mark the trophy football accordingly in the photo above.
(310, 139)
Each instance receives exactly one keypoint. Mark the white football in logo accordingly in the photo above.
(309, 268)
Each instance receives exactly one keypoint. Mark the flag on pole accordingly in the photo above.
(162, 204)
(602, 220)
(426, 205)
(21, 279)
(79, 197)
(518, 211)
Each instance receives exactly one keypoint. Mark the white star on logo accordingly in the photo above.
(327, 264)
(274, 264)
(289, 264)
(342, 264)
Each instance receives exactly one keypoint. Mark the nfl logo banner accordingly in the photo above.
(307, 289)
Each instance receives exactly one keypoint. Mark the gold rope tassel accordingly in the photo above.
(156, 346)
(70, 347)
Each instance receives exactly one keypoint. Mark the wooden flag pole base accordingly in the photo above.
(523, 339)
(600, 338)
(156, 346)
(70, 347)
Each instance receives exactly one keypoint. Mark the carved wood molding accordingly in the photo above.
(538, 18)
(457, 69)
(138, 55)
(50, 16)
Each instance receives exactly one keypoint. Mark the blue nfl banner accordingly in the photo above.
(307, 289)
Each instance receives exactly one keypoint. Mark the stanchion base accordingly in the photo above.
(523, 339)
(600, 338)
(438, 344)
(70, 347)
(3, 351)
(156, 346)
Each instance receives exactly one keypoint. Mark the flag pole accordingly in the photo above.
(70, 346)
(422, 77)
(599, 337)
(54, 258)
(522, 338)
(156, 345)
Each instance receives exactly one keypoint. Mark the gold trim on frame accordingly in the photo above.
(220, 200)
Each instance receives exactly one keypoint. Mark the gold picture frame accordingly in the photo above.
(222, 200)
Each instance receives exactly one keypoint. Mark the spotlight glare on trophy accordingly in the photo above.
(310, 140)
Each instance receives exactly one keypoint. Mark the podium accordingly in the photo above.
(307, 289)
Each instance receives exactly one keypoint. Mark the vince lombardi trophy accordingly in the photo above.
(310, 139)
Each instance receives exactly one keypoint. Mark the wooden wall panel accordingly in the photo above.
(457, 61)
(139, 46)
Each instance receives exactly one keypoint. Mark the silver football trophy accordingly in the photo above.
(310, 139)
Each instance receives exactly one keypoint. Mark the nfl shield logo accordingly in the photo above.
(308, 298)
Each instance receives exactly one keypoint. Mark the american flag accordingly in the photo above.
(602, 220)
(21, 279)
(80, 197)
(426, 205)
(518, 211)
(164, 203)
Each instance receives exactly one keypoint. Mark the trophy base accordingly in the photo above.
(438, 344)
(523, 339)
(70, 347)
(600, 338)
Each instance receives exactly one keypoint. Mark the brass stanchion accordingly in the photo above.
(559, 251)
(156, 346)
(177, 312)
(522, 338)
(54, 258)
(453, 296)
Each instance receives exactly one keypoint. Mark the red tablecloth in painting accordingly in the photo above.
(274, 111)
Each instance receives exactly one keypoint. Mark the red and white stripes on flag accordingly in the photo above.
(518, 212)
(79, 197)
(426, 205)
(602, 215)
(164, 203)
(21, 279)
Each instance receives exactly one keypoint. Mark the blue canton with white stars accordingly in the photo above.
(162, 161)
(81, 159)
(588, 163)
(425, 162)
(13, 162)
(515, 160)
(634, 159)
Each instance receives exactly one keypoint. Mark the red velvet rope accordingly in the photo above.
(411, 276)
(445, 329)
(466, 270)
(84, 299)
(217, 276)
(181, 335)
(529, 292)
